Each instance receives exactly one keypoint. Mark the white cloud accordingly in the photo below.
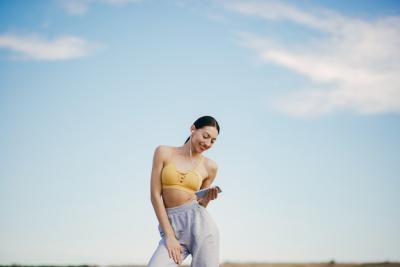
(37, 48)
(75, 7)
(356, 67)
(117, 2)
(80, 7)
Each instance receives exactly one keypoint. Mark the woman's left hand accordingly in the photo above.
(211, 195)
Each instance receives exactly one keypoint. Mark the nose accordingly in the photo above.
(208, 144)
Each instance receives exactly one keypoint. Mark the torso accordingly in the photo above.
(174, 197)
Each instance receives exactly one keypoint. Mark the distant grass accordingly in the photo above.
(49, 265)
(250, 264)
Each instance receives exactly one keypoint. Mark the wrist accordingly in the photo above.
(203, 203)
(170, 235)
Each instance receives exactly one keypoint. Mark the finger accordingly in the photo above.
(178, 255)
(175, 257)
(179, 259)
(169, 253)
(213, 193)
(209, 195)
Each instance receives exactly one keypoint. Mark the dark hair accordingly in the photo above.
(205, 121)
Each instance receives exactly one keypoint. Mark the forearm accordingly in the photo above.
(162, 216)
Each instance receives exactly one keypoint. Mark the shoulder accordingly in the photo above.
(163, 152)
(210, 165)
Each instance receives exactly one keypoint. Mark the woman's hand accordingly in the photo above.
(210, 195)
(174, 249)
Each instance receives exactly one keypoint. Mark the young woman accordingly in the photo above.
(185, 225)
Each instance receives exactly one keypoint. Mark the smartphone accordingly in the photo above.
(203, 192)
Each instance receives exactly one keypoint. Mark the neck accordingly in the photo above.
(186, 150)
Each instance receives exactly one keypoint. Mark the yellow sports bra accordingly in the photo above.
(189, 181)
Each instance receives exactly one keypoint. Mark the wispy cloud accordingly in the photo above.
(34, 47)
(80, 7)
(75, 7)
(355, 67)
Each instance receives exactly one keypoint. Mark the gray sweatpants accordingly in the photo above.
(196, 232)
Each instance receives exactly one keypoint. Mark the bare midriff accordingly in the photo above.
(174, 197)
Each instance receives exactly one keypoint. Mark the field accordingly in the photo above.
(231, 264)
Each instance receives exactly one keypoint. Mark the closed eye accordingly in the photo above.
(207, 136)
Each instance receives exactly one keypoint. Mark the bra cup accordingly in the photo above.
(171, 177)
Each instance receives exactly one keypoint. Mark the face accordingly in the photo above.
(204, 138)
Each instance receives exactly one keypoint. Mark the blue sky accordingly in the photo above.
(307, 95)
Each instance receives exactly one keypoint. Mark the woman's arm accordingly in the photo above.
(173, 246)
(212, 194)
(156, 190)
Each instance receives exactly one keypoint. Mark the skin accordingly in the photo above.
(201, 140)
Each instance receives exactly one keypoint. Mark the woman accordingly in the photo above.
(185, 225)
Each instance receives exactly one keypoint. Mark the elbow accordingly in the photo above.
(155, 197)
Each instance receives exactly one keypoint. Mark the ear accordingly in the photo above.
(192, 128)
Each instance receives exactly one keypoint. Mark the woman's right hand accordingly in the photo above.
(174, 249)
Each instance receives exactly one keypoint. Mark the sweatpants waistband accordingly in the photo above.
(182, 208)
